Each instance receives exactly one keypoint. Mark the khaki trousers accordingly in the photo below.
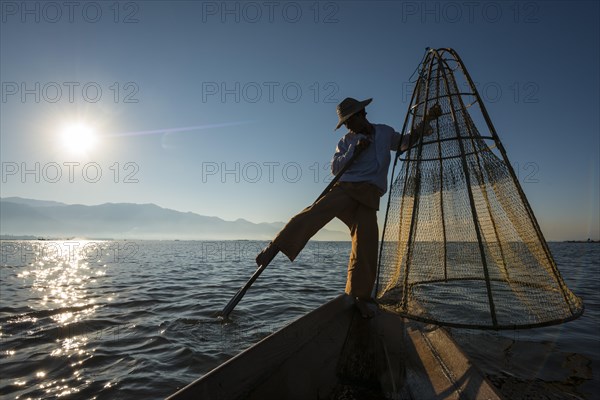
(355, 204)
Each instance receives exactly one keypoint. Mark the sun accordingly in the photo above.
(79, 138)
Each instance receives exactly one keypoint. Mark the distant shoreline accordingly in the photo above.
(57, 238)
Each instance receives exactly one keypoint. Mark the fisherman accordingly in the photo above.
(354, 199)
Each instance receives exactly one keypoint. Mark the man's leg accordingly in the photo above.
(362, 266)
(297, 232)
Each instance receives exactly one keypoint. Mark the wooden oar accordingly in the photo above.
(240, 293)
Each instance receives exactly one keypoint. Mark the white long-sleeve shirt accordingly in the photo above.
(373, 163)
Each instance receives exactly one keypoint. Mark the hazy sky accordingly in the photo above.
(228, 108)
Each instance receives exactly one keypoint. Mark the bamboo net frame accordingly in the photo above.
(461, 245)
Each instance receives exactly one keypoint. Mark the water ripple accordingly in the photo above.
(140, 324)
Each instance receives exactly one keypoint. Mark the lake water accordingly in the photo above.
(135, 319)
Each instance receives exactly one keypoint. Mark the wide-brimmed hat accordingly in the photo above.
(348, 107)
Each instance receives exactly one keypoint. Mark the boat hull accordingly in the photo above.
(333, 353)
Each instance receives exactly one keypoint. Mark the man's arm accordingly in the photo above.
(342, 154)
(422, 129)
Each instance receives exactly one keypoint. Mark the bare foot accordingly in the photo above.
(363, 308)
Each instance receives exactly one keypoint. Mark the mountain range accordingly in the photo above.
(20, 216)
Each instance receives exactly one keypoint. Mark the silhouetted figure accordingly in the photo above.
(354, 199)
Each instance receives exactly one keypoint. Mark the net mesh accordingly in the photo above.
(461, 246)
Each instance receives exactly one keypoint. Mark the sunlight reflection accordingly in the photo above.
(60, 275)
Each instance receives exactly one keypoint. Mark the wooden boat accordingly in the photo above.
(333, 353)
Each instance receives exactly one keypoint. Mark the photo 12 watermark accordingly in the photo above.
(269, 92)
(253, 12)
(69, 172)
(216, 251)
(53, 12)
(69, 92)
(265, 171)
(37, 252)
(470, 12)
(526, 92)
(526, 172)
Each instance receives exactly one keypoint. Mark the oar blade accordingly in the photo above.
(240, 293)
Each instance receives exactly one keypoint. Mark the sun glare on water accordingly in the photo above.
(79, 138)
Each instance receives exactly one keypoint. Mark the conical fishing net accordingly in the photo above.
(461, 246)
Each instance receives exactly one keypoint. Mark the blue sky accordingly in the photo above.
(228, 108)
